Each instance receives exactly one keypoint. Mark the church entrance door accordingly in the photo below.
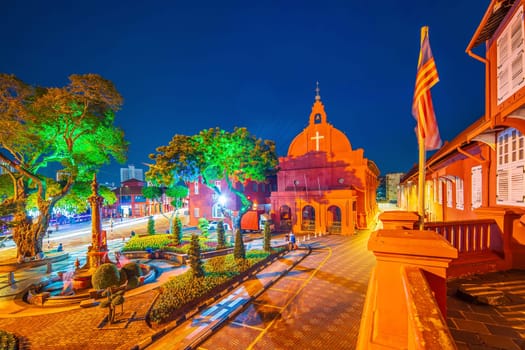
(308, 219)
(333, 218)
(285, 218)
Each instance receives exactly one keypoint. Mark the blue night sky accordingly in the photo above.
(184, 66)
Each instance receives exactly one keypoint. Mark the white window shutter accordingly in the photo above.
(502, 181)
(517, 190)
(449, 194)
(459, 193)
(476, 192)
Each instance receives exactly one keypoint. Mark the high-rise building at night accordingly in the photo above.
(131, 173)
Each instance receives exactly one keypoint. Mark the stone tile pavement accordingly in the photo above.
(477, 325)
(317, 305)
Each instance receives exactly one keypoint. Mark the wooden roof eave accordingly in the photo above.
(495, 14)
(473, 133)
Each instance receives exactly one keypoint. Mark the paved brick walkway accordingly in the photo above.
(317, 305)
(77, 328)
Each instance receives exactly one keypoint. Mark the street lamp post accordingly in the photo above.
(48, 234)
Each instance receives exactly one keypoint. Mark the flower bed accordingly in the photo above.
(165, 242)
(185, 292)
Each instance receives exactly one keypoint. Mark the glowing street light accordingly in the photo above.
(222, 200)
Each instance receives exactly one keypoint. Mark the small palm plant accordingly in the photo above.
(107, 277)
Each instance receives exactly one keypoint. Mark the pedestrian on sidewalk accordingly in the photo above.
(292, 244)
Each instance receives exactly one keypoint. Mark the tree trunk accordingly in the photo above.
(29, 236)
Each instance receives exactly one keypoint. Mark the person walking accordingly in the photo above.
(292, 243)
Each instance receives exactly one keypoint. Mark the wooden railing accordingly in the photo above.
(466, 236)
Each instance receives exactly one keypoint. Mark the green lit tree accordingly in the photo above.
(67, 129)
(215, 154)
(195, 256)
(177, 231)
(267, 237)
(153, 193)
(239, 252)
(176, 192)
(221, 243)
(151, 225)
(75, 201)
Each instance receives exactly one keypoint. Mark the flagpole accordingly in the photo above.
(421, 181)
(427, 130)
(422, 156)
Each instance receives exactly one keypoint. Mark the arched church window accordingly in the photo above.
(317, 118)
(285, 212)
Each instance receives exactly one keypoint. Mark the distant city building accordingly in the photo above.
(381, 189)
(131, 173)
(392, 181)
(61, 175)
(6, 168)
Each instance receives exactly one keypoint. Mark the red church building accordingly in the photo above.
(324, 185)
(205, 203)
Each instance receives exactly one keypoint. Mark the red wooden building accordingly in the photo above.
(205, 203)
(480, 174)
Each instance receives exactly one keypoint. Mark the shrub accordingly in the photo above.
(132, 272)
(151, 225)
(153, 242)
(220, 235)
(123, 277)
(106, 275)
(177, 231)
(132, 269)
(8, 340)
(238, 251)
(267, 236)
(195, 256)
(186, 288)
(203, 226)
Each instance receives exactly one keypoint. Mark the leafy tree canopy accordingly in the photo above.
(67, 129)
(215, 154)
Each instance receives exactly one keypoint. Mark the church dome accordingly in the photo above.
(319, 135)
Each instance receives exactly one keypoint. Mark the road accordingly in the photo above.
(76, 238)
